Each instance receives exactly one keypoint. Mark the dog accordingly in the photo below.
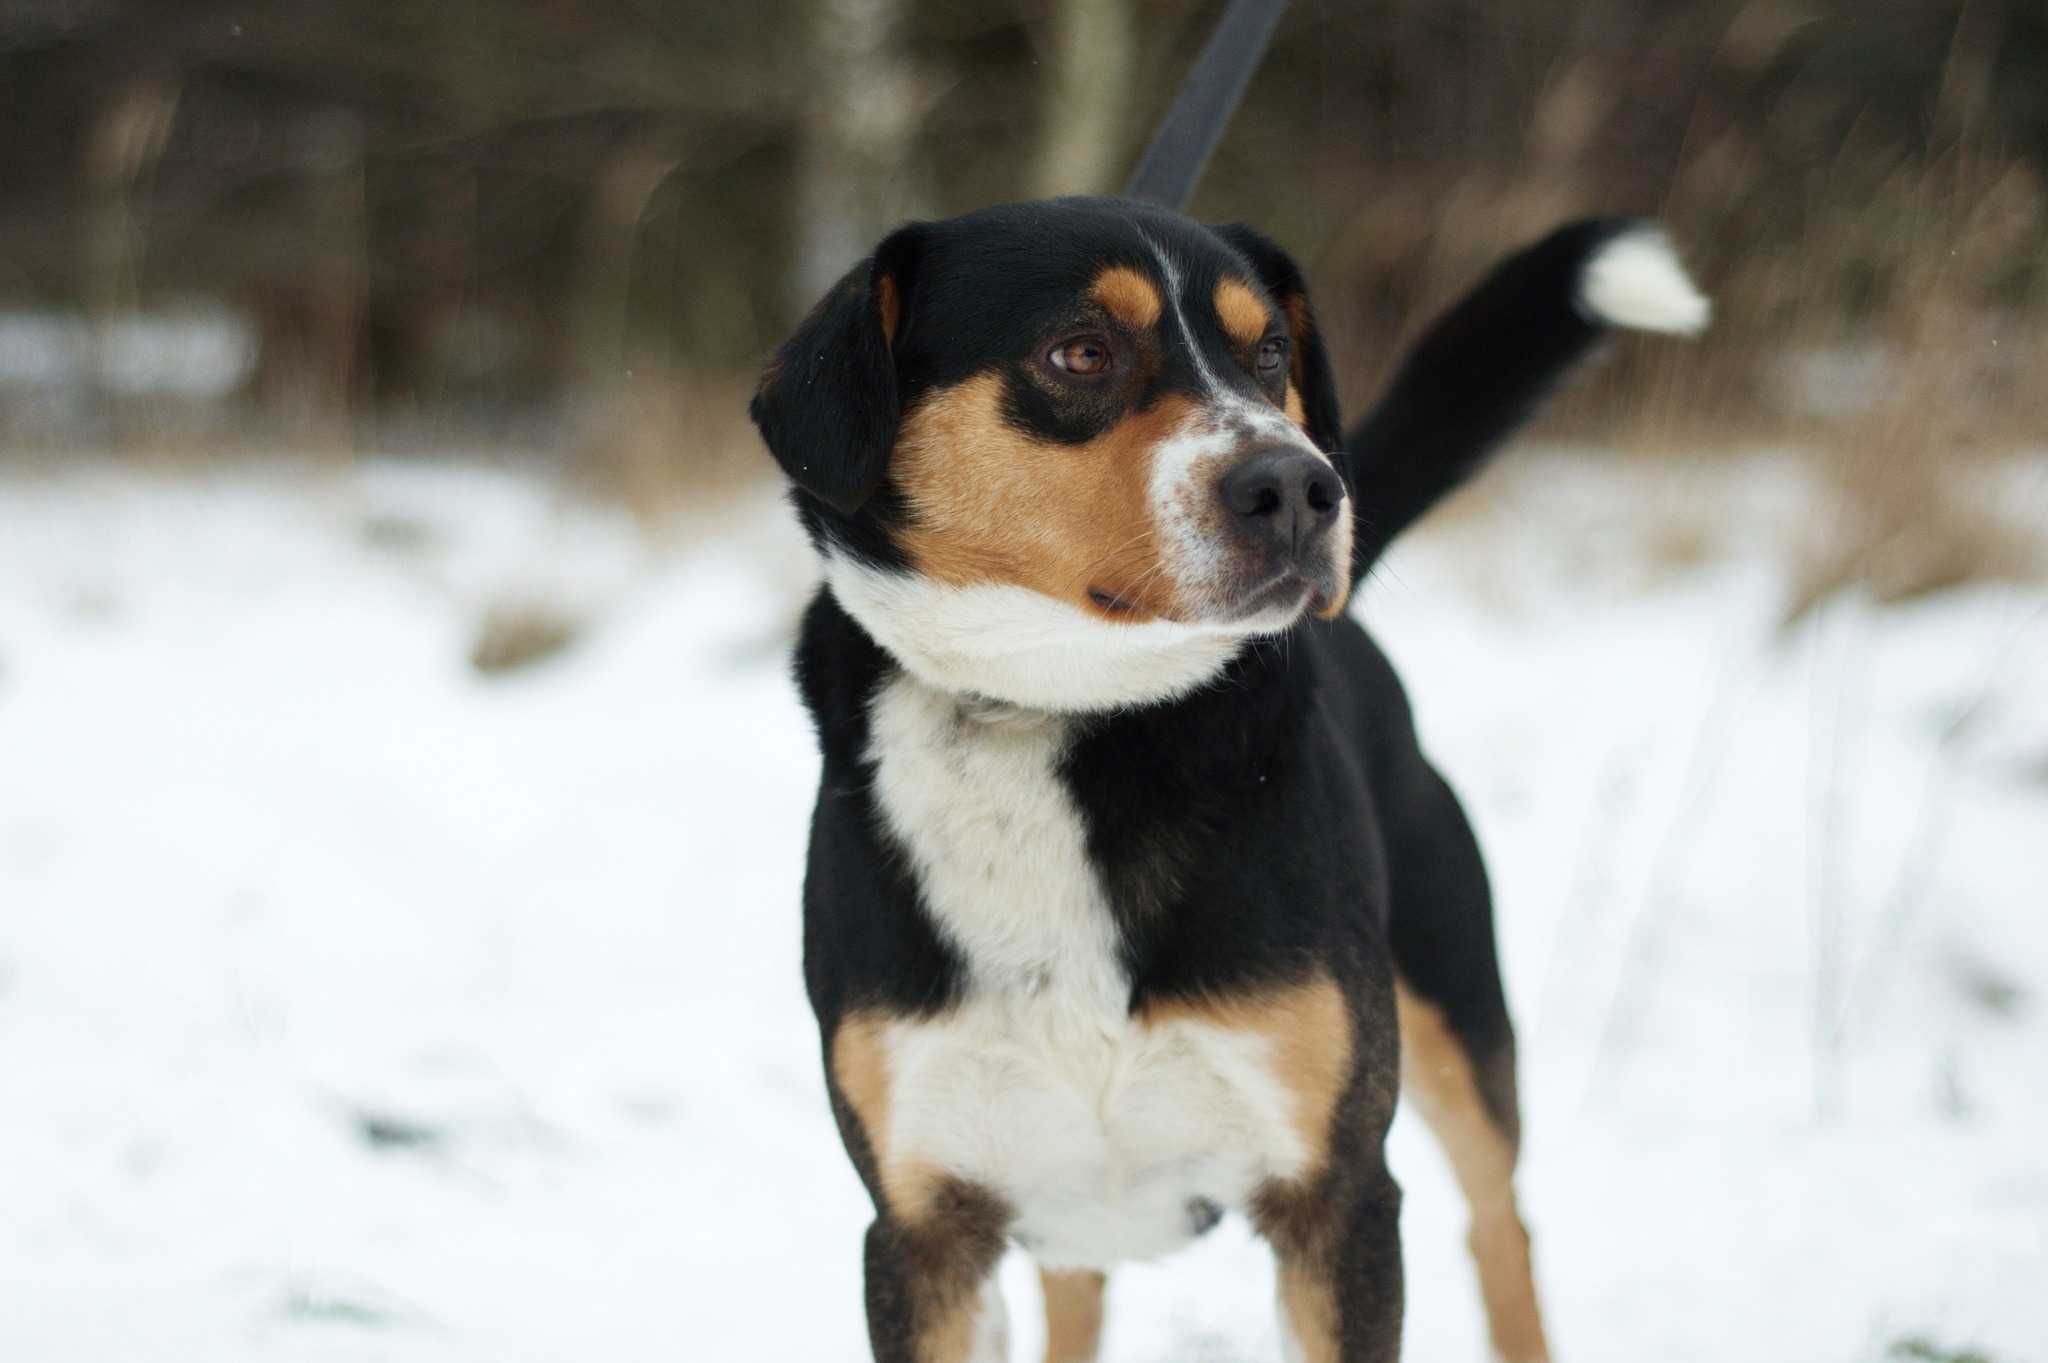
(1132, 900)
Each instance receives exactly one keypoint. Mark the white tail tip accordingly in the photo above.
(1635, 280)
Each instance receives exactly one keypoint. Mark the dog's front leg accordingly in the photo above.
(931, 1288)
(1338, 1244)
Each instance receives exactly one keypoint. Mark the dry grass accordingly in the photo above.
(677, 449)
(1955, 345)
(514, 635)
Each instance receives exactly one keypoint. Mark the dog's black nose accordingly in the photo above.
(1283, 496)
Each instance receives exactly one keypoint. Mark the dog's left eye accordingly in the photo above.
(1272, 354)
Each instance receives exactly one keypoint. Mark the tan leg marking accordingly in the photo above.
(860, 1066)
(1295, 1220)
(951, 1232)
(1243, 314)
(951, 1338)
(1073, 1315)
(1127, 296)
(1309, 1310)
(1436, 1075)
(1308, 1027)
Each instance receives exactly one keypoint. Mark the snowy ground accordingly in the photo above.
(354, 1005)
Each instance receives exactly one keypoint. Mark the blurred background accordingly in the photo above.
(576, 229)
(402, 804)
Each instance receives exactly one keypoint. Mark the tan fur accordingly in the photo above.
(890, 306)
(990, 504)
(1308, 1027)
(1127, 296)
(1340, 535)
(1073, 1315)
(953, 1232)
(1239, 308)
(860, 1067)
(1436, 1075)
(950, 1339)
(1310, 1306)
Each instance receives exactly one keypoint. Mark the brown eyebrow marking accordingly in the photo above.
(1129, 297)
(1299, 326)
(890, 306)
(1240, 311)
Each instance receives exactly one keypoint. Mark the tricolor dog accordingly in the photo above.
(1132, 902)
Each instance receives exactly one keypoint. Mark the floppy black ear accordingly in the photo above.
(828, 403)
(1312, 378)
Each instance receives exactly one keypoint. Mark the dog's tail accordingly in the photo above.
(1481, 368)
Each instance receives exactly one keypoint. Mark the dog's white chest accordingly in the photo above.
(1111, 1137)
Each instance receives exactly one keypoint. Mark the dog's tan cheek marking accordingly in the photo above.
(1244, 317)
(1296, 413)
(1308, 1028)
(1073, 1315)
(1437, 1076)
(1127, 296)
(990, 504)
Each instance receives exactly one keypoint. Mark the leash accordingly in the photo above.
(1170, 168)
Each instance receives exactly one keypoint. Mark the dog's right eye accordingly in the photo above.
(1082, 356)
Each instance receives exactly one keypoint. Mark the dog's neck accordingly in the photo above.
(1015, 647)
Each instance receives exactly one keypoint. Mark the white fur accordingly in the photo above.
(1635, 280)
(973, 793)
(1226, 405)
(1013, 644)
(1102, 1134)
(1185, 467)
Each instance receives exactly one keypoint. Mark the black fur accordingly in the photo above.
(1279, 821)
(1476, 374)
(828, 406)
(1318, 386)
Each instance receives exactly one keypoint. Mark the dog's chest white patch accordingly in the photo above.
(1111, 1138)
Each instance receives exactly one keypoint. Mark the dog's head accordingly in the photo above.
(1068, 454)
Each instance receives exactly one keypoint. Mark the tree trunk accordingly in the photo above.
(855, 172)
(1082, 145)
(125, 143)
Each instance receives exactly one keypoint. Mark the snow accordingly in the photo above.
(195, 351)
(355, 1005)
